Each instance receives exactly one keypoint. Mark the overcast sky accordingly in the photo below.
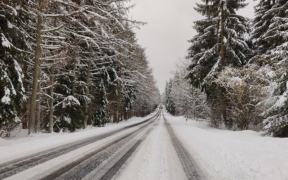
(168, 29)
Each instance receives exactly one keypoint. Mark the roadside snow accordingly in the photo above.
(15, 148)
(224, 154)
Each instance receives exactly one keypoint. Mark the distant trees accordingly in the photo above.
(69, 64)
(181, 98)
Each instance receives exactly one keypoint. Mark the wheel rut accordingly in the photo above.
(13, 167)
(103, 163)
(189, 165)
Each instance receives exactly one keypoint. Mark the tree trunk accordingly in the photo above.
(119, 97)
(51, 100)
(38, 105)
(87, 88)
(114, 111)
(223, 103)
(35, 75)
(24, 105)
(74, 66)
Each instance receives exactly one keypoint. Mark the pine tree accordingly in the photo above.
(221, 41)
(169, 103)
(80, 60)
(12, 48)
(261, 24)
(276, 35)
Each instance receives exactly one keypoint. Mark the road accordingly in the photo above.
(146, 150)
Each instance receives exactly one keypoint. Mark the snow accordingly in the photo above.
(271, 74)
(279, 103)
(235, 81)
(5, 42)
(20, 74)
(221, 154)
(6, 98)
(14, 11)
(69, 101)
(9, 25)
(155, 159)
(21, 144)
(225, 154)
(37, 172)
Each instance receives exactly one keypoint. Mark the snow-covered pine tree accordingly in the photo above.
(100, 118)
(169, 103)
(12, 48)
(73, 47)
(261, 24)
(45, 48)
(188, 99)
(220, 42)
(276, 123)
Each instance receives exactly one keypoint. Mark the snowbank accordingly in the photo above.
(230, 155)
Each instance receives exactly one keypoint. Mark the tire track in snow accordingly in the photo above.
(99, 159)
(13, 167)
(189, 165)
(156, 158)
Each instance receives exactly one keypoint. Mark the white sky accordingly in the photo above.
(167, 32)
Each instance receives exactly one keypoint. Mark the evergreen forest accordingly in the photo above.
(235, 72)
(68, 64)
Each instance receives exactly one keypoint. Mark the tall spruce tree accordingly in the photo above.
(12, 50)
(221, 41)
(276, 35)
(261, 24)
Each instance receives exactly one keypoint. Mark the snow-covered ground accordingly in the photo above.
(18, 147)
(220, 154)
(224, 154)
(155, 158)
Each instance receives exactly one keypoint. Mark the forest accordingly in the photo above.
(68, 64)
(235, 72)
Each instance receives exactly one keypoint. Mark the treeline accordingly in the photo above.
(239, 64)
(68, 64)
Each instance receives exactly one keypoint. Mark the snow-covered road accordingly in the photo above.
(163, 148)
(155, 159)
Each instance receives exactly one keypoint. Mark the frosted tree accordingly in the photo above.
(188, 99)
(276, 36)
(169, 103)
(43, 29)
(246, 88)
(220, 42)
(261, 23)
(12, 47)
(81, 62)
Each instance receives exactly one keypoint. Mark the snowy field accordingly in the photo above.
(18, 147)
(230, 155)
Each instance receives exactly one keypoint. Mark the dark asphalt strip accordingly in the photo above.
(189, 165)
(21, 164)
